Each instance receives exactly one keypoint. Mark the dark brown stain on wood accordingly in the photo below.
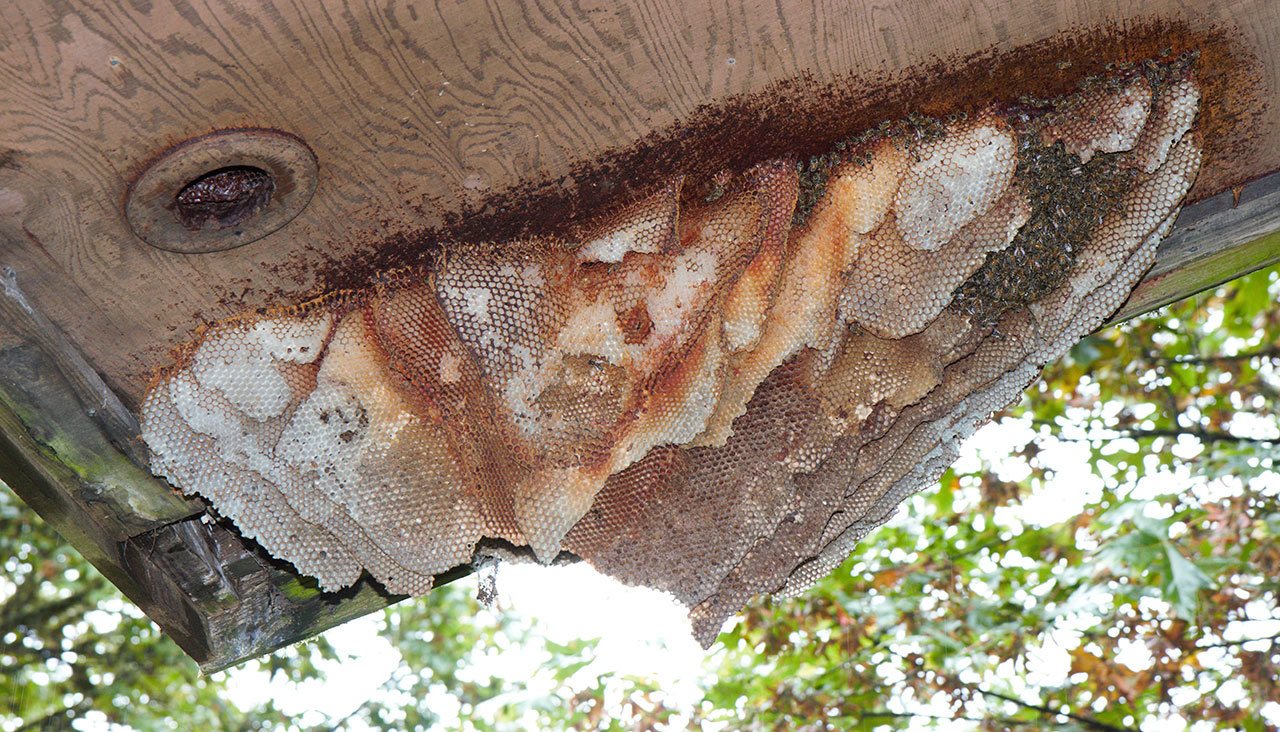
(9, 159)
(801, 118)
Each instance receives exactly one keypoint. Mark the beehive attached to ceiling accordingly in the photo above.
(713, 397)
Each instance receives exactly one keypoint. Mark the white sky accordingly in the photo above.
(645, 633)
(641, 632)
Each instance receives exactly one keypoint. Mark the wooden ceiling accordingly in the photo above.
(419, 111)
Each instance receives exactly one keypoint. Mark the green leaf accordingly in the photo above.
(1184, 583)
(569, 669)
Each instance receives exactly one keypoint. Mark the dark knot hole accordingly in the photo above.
(223, 198)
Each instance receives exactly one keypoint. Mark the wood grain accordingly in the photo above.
(416, 110)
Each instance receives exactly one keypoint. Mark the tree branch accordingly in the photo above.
(1205, 436)
(1088, 722)
(1269, 352)
(1201, 434)
(885, 714)
(71, 713)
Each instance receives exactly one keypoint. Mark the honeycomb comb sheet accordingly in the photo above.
(715, 398)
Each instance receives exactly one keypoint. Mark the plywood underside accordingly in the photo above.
(418, 111)
(419, 114)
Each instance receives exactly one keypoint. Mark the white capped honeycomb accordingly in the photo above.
(714, 398)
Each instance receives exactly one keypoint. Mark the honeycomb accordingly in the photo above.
(715, 398)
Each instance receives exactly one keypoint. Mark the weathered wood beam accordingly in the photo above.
(251, 603)
(1212, 242)
(30, 467)
(447, 104)
(72, 453)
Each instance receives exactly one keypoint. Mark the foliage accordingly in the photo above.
(1102, 563)
(963, 610)
(71, 649)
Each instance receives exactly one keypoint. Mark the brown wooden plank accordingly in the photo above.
(55, 492)
(416, 112)
(68, 418)
(250, 604)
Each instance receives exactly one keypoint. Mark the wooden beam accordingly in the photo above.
(251, 603)
(74, 458)
(1217, 240)
(419, 112)
(49, 387)
(55, 491)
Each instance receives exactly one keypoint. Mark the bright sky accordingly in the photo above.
(641, 632)
(645, 633)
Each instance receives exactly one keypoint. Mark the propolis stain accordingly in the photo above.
(804, 120)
